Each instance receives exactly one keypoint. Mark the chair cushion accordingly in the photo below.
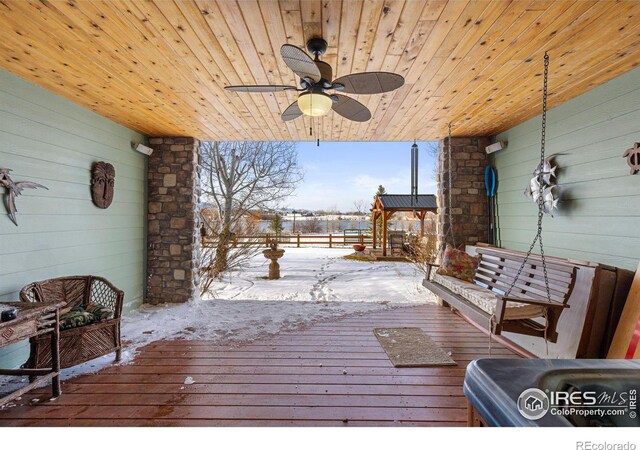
(75, 318)
(99, 311)
(456, 263)
(486, 300)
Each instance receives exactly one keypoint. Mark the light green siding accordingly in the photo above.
(49, 140)
(598, 217)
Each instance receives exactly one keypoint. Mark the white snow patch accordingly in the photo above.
(321, 274)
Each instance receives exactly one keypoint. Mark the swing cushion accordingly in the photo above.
(486, 300)
(458, 264)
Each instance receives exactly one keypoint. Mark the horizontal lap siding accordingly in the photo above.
(49, 140)
(599, 212)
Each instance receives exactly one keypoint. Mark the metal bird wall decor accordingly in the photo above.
(633, 158)
(542, 184)
(13, 189)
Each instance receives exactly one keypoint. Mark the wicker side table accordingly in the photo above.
(33, 320)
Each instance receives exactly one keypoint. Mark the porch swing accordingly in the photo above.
(511, 292)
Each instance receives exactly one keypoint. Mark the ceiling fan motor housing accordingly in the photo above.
(317, 46)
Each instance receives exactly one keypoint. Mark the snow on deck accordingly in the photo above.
(317, 284)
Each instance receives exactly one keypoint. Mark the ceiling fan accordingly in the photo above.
(315, 79)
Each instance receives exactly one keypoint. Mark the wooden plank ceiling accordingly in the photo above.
(159, 66)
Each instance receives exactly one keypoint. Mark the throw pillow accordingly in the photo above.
(99, 311)
(458, 264)
(77, 317)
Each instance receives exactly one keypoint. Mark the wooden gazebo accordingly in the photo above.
(388, 204)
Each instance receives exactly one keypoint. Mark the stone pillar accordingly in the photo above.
(468, 194)
(173, 238)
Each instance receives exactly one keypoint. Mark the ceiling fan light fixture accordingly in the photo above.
(314, 104)
(315, 78)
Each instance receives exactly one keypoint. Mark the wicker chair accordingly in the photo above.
(84, 343)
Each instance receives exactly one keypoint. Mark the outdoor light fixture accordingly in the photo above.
(142, 148)
(495, 147)
(314, 104)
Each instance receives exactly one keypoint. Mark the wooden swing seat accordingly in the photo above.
(524, 311)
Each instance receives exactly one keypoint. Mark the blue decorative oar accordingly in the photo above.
(490, 181)
(490, 186)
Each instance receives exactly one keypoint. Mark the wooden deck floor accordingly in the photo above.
(332, 374)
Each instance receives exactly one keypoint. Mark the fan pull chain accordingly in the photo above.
(451, 233)
(311, 117)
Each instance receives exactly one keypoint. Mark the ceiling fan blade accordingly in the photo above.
(292, 112)
(370, 82)
(261, 88)
(351, 109)
(300, 62)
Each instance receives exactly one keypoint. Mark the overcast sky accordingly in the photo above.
(339, 173)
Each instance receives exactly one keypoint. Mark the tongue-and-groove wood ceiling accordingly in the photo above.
(159, 66)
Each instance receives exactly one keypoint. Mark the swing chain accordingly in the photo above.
(540, 199)
(450, 201)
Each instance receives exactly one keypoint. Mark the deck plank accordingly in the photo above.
(162, 422)
(330, 374)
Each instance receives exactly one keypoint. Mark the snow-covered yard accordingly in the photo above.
(322, 274)
(317, 284)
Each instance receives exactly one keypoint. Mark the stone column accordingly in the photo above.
(468, 194)
(173, 238)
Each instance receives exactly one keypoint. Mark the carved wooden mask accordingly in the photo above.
(102, 182)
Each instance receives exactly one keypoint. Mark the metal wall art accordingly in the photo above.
(103, 177)
(542, 183)
(14, 189)
(633, 158)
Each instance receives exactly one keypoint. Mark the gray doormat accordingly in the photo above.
(411, 347)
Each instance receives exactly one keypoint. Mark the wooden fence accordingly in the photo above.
(298, 240)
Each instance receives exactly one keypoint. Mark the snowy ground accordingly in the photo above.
(321, 274)
(317, 284)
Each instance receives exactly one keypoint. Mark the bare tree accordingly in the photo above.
(310, 226)
(360, 207)
(240, 251)
(432, 150)
(423, 251)
(239, 177)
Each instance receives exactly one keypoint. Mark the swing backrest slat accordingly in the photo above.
(498, 271)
